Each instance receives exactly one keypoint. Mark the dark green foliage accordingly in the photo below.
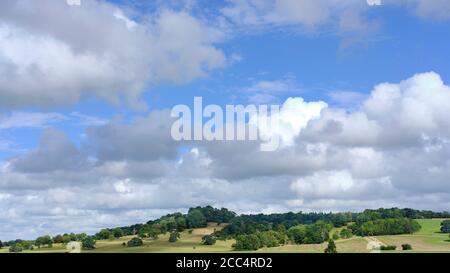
(104, 234)
(196, 219)
(208, 240)
(15, 248)
(44, 241)
(346, 233)
(247, 242)
(445, 226)
(310, 234)
(388, 227)
(117, 232)
(388, 247)
(1, 244)
(406, 247)
(134, 242)
(88, 243)
(331, 248)
(174, 236)
(58, 239)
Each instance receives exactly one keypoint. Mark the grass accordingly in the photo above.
(428, 239)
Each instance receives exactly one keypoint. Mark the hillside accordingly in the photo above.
(428, 239)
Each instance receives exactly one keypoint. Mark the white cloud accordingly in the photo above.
(54, 54)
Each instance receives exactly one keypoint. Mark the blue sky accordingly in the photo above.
(317, 63)
(89, 92)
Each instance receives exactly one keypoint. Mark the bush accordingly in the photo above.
(88, 243)
(174, 235)
(135, 242)
(331, 248)
(346, 233)
(406, 247)
(15, 248)
(388, 247)
(445, 226)
(247, 242)
(208, 240)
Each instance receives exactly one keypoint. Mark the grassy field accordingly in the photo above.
(428, 239)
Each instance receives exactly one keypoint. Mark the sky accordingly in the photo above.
(86, 93)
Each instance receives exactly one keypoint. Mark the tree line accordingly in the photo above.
(253, 231)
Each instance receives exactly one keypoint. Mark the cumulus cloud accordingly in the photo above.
(381, 153)
(54, 54)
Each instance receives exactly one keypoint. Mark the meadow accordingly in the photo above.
(428, 239)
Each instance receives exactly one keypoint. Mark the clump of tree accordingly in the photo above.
(346, 233)
(406, 247)
(174, 236)
(103, 234)
(209, 240)
(445, 226)
(247, 242)
(270, 238)
(134, 242)
(44, 241)
(15, 248)
(1, 244)
(391, 226)
(331, 248)
(310, 234)
(88, 243)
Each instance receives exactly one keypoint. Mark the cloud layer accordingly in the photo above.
(392, 150)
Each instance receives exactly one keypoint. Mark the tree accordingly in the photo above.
(44, 240)
(346, 233)
(247, 242)
(174, 235)
(195, 218)
(406, 247)
(208, 240)
(1, 244)
(117, 232)
(297, 234)
(58, 239)
(88, 243)
(445, 226)
(331, 248)
(134, 242)
(104, 234)
(15, 248)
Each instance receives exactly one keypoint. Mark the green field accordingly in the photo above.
(428, 239)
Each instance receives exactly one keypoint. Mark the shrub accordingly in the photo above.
(388, 247)
(331, 248)
(15, 248)
(208, 240)
(406, 247)
(247, 242)
(445, 226)
(174, 235)
(88, 243)
(135, 242)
